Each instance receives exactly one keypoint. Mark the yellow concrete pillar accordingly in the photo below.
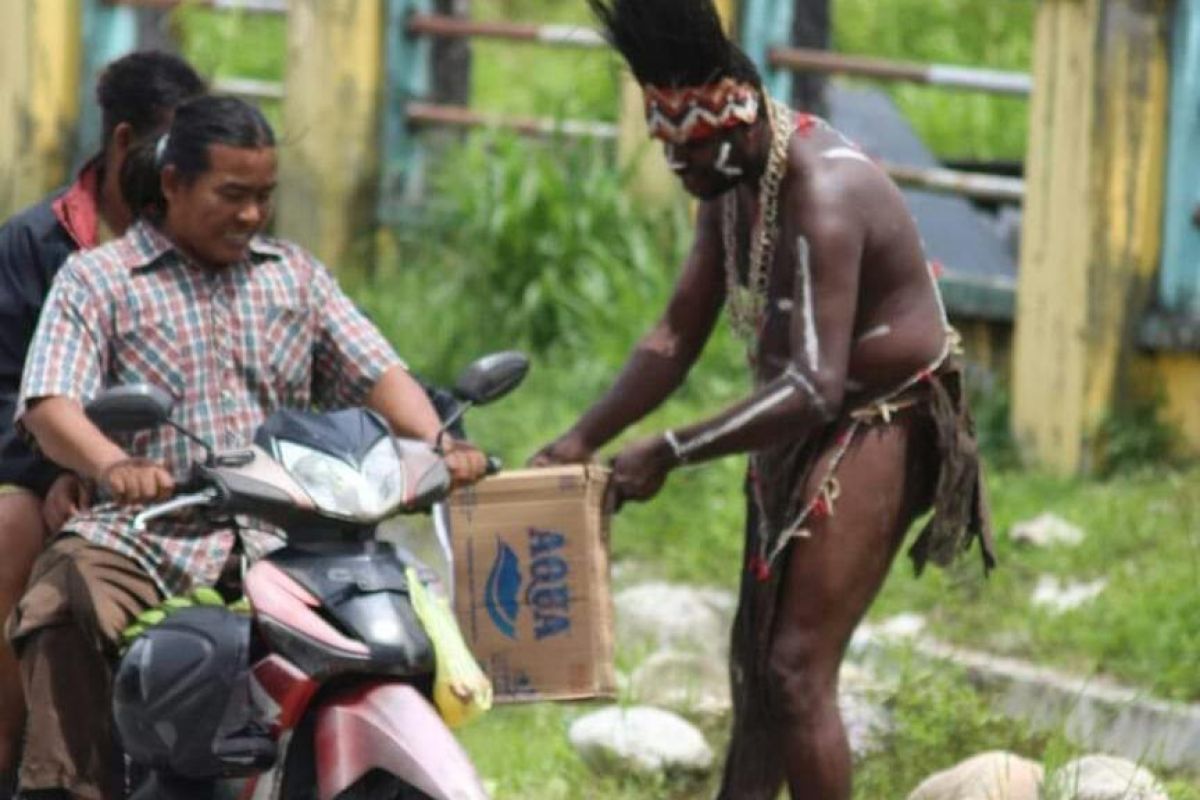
(329, 155)
(39, 97)
(1091, 238)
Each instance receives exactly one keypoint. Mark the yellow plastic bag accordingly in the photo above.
(461, 691)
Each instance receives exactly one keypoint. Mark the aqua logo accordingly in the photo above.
(502, 590)
(547, 595)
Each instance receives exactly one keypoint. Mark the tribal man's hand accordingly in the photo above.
(68, 496)
(134, 481)
(640, 470)
(566, 449)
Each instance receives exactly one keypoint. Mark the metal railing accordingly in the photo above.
(420, 114)
(975, 185)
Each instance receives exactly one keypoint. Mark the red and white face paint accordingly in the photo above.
(678, 115)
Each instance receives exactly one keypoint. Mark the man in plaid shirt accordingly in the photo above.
(235, 325)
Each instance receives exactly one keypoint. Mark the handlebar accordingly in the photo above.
(206, 497)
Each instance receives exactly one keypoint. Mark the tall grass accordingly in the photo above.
(540, 246)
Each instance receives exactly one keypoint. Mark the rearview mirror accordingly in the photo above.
(125, 409)
(492, 377)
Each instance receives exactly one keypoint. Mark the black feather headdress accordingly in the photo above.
(673, 43)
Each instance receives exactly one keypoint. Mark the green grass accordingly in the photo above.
(523, 752)
(1143, 537)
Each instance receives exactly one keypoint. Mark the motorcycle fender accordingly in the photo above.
(392, 727)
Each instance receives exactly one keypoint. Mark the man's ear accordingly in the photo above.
(122, 140)
(172, 181)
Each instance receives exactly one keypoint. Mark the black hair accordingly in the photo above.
(198, 123)
(142, 89)
(671, 43)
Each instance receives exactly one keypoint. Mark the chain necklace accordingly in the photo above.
(747, 303)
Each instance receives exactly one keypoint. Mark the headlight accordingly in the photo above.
(339, 488)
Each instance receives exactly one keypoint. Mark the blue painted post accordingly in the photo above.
(408, 79)
(109, 32)
(1179, 280)
(766, 24)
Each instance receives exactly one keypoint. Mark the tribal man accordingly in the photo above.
(857, 423)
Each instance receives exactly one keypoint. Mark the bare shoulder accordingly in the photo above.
(837, 190)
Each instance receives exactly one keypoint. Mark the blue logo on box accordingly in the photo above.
(502, 590)
(547, 594)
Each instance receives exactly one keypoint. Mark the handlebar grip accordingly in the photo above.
(494, 465)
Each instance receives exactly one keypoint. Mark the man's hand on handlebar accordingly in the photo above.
(467, 464)
(134, 481)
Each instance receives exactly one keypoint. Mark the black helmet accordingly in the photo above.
(181, 698)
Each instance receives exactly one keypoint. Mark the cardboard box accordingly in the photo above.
(531, 582)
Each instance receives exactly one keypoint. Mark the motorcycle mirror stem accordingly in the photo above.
(463, 407)
(136, 407)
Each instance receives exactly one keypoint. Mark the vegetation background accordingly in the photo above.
(539, 246)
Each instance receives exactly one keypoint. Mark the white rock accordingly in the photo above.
(995, 775)
(694, 683)
(639, 738)
(1047, 530)
(1062, 597)
(1101, 777)
(663, 615)
(901, 626)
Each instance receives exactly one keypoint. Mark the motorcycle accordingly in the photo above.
(323, 691)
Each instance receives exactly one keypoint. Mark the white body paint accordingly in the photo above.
(673, 163)
(875, 333)
(846, 153)
(795, 379)
(723, 166)
(812, 347)
(739, 420)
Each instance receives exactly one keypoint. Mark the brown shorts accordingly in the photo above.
(66, 630)
(74, 580)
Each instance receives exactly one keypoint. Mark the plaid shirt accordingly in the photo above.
(232, 345)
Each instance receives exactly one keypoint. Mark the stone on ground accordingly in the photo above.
(641, 739)
(1047, 530)
(694, 683)
(1101, 777)
(995, 775)
(655, 616)
(1059, 597)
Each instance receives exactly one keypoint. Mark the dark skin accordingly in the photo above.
(875, 322)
